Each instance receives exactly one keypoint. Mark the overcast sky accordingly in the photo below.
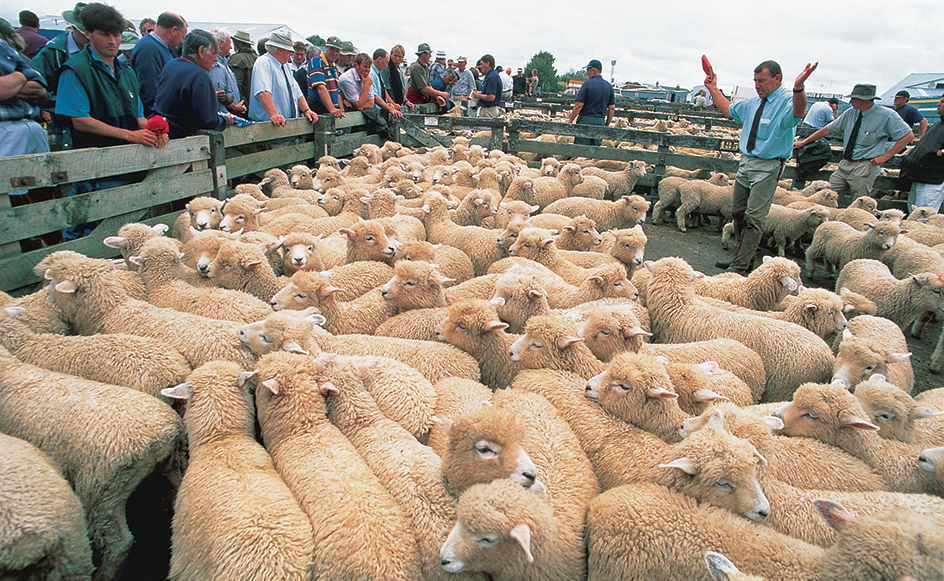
(866, 41)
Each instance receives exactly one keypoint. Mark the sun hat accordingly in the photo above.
(347, 47)
(242, 36)
(440, 54)
(281, 40)
(333, 42)
(74, 16)
(462, 59)
(864, 92)
(423, 48)
(128, 39)
(594, 64)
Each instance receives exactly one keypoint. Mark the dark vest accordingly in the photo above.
(112, 100)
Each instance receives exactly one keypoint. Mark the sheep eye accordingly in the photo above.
(461, 328)
(485, 451)
(369, 238)
(886, 416)
(585, 231)
(266, 339)
(620, 387)
(228, 266)
(213, 210)
(487, 541)
(810, 415)
(604, 333)
(240, 218)
(410, 283)
(536, 346)
(513, 235)
(724, 485)
(327, 180)
(937, 291)
(617, 284)
(311, 249)
(301, 296)
(869, 367)
(526, 245)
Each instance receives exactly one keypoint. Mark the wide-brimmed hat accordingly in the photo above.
(594, 64)
(462, 59)
(423, 48)
(128, 39)
(74, 16)
(347, 47)
(333, 42)
(242, 36)
(281, 40)
(440, 54)
(864, 92)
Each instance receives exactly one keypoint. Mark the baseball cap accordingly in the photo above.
(594, 64)
(904, 94)
(347, 47)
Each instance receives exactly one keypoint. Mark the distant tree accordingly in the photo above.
(547, 74)
(316, 40)
(574, 74)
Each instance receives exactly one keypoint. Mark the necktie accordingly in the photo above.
(752, 136)
(288, 87)
(850, 145)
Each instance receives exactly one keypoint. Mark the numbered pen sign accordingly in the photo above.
(728, 145)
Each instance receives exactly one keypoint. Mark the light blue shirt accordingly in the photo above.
(376, 85)
(224, 80)
(268, 74)
(819, 115)
(776, 131)
(879, 125)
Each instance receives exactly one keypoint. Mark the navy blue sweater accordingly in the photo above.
(186, 98)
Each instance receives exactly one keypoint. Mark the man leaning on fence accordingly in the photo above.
(275, 95)
(769, 121)
(595, 103)
(21, 89)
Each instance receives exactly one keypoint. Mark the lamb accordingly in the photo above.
(620, 184)
(579, 234)
(300, 252)
(355, 280)
(475, 207)
(918, 258)
(244, 267)
(790, 353)
(410, 471)
(455, 265)
(202, 248)
(241, 212)
(624, 212)
(317, 461)
(896, 413)
(526, 539)
(823, 197)
(369, 240)
(591, 186)
(41, 315)
(873, 345)
(789, 458)
(140, 363)
(762, 290)
(622, 544)
(704, 198)
(202, 213)
(160, 269)
(510, 210)
(43, 527)
(548, 189)
(923, 233)
(701, 385)
(518, 295)
(722, 569)
(815, 309)
(856, 217)
(669, 196)
(551, 342)
(133, 434)
(474, 327)
(832, 415)
(627, 246)
(611, 329)
(131, 237)
(788, 225)
(932, 461)
(538, 245)
(901, 301)
(478, 243)
(836, 244)
(233, 513)
(855, 304)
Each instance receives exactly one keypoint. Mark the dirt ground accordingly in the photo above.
(701, 247)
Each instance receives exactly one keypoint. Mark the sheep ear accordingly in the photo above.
(877, 377)
(535, 209)
(135, 260)
(706, 395)
(789, 283)
(444, 423)
(181, 391)
(846, 334)
(327, 291)
(293, 347)
(251, 264)
(48, 274)
(720, 568)
(494, 326)
(697, 275)
(660, 393)
(686, 465)
(835, 514)
(923, 412)
(316, 320)
(347, 232)
(853, 421)
(535, 295)
(898, 357)
(715, 420)
(328, 389)
(66, 287)
(759, 456)
(810, 307)
(497, 301)
(635, 332)
(118, 241)
(773, 422)
(522, 534)
(708, 367)
(272, 385)
(567, 341)
(245, 376)
(662, 359)
(364, 367)
(15, 311)
(568, 228)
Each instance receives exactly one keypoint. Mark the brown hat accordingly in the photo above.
(74, 16)
(242, 36)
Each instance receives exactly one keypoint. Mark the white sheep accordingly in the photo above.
(788, 225)
(244, 267)
(478, 243)
(620, 183)
(550, 189)
(233, 513)
(816, 309)
(202, 213)
(474, 327)
(669, 195)
(872, 345)
(836, 244)
(454, 264)
(624, 212)
(897, 413)
(131, 237)
(932, 461)
(762, 290)
(703, 197)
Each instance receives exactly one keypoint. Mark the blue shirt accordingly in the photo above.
(819, 115)
(269, 75)
(187, 99)
(72, 98)
(14, 109)
(909, 114)
(879, 125)
(148, 58)
(224, 80)
(596, 94)
(776, 131)
(492, 85)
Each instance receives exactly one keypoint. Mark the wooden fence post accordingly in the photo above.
(217, 163)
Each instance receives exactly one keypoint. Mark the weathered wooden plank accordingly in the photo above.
(351, 119)
(261, 132)
(264, 160)
(344, 145)
(48, 169)
(34, 219)
(411, 126)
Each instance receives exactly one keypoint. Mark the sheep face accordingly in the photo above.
(583, 231)
(467, 323)
(415, 285)
(611, 331)
(932, 460)
(890, 408)
(859, 359)
(484, 446)
(827, 413)
(630, 246)
(204, 213)
(281, 331)
(865, 203)
(635, 208)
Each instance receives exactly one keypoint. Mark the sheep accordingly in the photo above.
(317, 461)
(510, 210)
(550, 189)
(591, 186)
(815, 309)
(233, 513)
(41, 315)
(722, 569)
(762, 290)
(202, 247)
(922, 233)
(788, 225)
(669, 196)
(300, 252)
(789, 458)
(475, 207)
(611, 329)
(370, 240)
(241, 212)
(855, 304)
(140, 363)
(270, 249)
(627, 541)
(791, 354)
(474, 327)
(872, 345)
(355, 280)
(856, 217)
(160, 269)
(700, 385)
(836, 244)
(478, 243)
(95, 302)
(42, 527)
(579, 234)
(918, 258)
(104, 438)
(131, 237)
(523, 537)
(536, 244)
(243, 267)
(455, 397)
(932, 461)
(832, 415)
(202, 213)
(624, 212)
(896, 413)
(824, 197)
(454, 264)
(551, 342)
(619, 184)
(361, 315)
(704, 198)
(410, 471)
(901, 301)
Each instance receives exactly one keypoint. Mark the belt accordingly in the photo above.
(858, 160)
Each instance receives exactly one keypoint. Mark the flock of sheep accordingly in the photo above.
(450, 365)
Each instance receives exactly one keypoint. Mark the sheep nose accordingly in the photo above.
(203, 268)
(530, 476)
(763, 513)
(297, 260)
